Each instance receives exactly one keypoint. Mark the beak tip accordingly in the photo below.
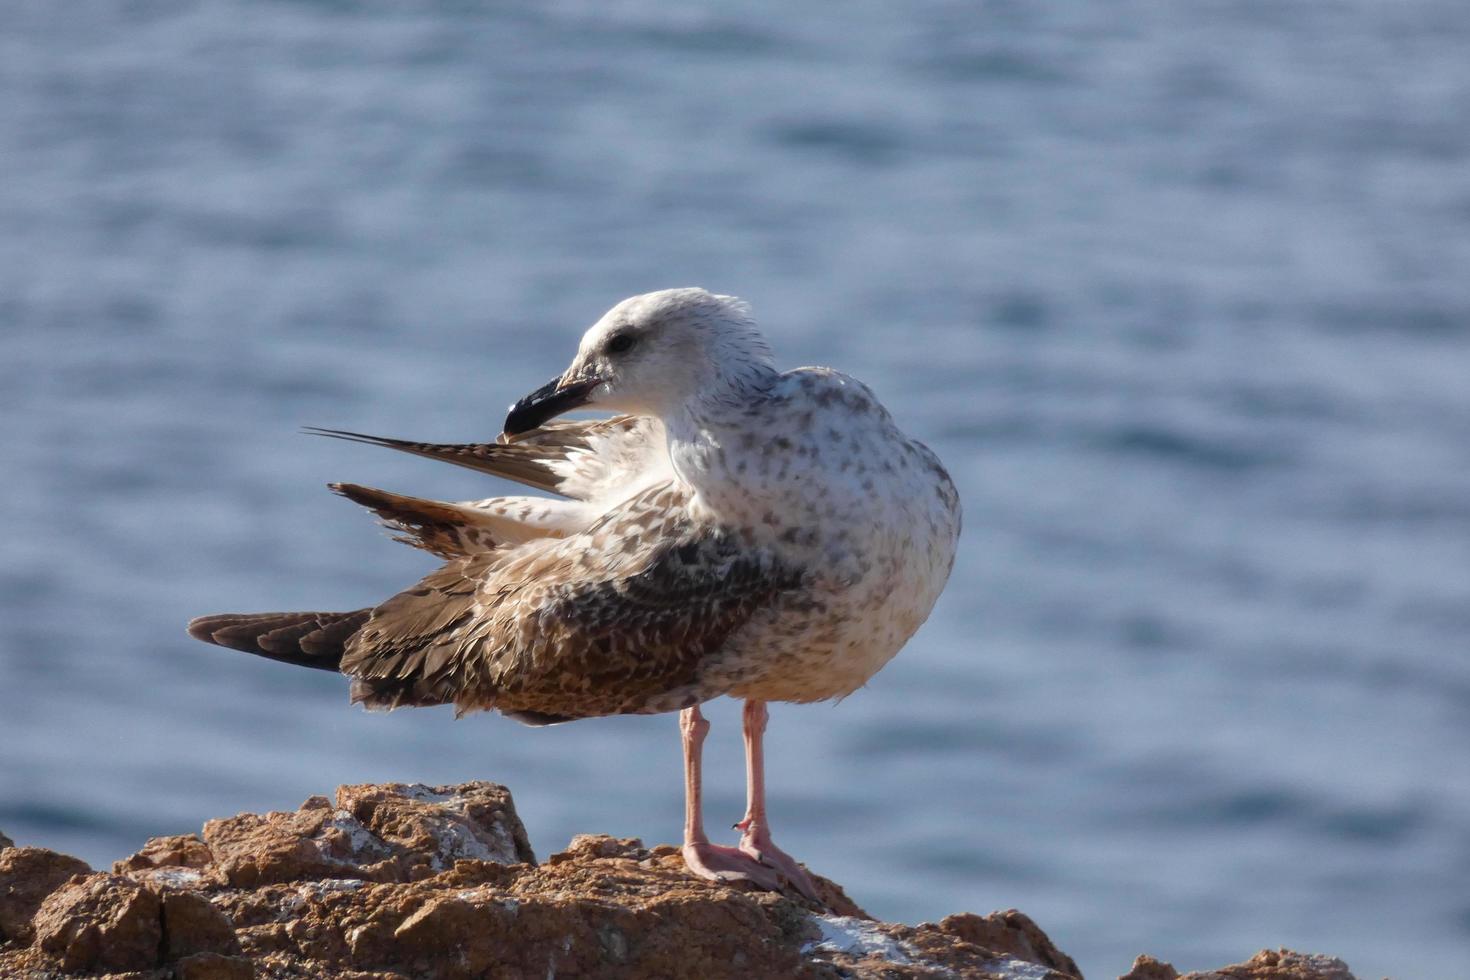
(545, 403)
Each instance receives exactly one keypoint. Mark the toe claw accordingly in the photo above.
(783, 864)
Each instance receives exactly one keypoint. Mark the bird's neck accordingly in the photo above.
(710, 436)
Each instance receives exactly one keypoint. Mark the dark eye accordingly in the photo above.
(621, 343)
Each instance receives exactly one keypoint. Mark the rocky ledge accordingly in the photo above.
(440, 882)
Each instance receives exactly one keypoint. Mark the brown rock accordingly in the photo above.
(432, 827)
(440, 883)
(601, 846)
(584, 846)
(392, 832)
(253, 850)
(191, 924)
(1148, 968)
(27, 876)
(213, 966)
(1280, 964)
(181, 851)
(263, 940)
(101, 922)
(1010, 933)
(865, 948)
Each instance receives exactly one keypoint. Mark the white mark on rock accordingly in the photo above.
(858, 937)
(457, 841)
(423, 794)
(319, 888)
(178, 877)
(362, 846)
(1012, 969)
(355, 935)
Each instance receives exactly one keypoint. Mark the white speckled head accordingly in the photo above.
(658, 354)
(658, 351)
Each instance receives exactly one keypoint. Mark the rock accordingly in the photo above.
(213, 966)
(1011, 933)
(251, 850)
(182, 851)
(441, 883)
(1280, 964)
(192, 925)
(430, 828)
(5, 841)
(101, 922)
(373, 833)
(27, 876)
(1148, 968)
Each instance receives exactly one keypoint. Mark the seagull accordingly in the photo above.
(730, 530)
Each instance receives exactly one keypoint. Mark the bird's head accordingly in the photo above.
(651, 355)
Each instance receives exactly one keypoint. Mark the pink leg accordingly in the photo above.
(756, 839)
(700, 856)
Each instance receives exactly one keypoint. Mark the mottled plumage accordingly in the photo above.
(598, 623)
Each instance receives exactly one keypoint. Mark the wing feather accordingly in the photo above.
(573, 627)
(307, 639)
(451, 530)
(579, 459)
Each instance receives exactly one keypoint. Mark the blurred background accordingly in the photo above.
(1180, 292)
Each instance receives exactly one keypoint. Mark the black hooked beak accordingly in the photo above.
(547, 402)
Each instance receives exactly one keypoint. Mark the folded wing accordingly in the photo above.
(620, 618)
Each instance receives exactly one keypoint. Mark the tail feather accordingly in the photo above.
(306, 639)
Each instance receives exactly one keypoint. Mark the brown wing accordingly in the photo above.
(619, 619)
(578, 459)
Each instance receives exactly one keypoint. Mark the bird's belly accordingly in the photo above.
(875, 545)
(816, 673)
(836, 639)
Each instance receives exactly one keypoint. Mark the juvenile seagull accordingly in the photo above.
(735, 530)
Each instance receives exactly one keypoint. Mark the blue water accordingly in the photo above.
(1180, 291)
